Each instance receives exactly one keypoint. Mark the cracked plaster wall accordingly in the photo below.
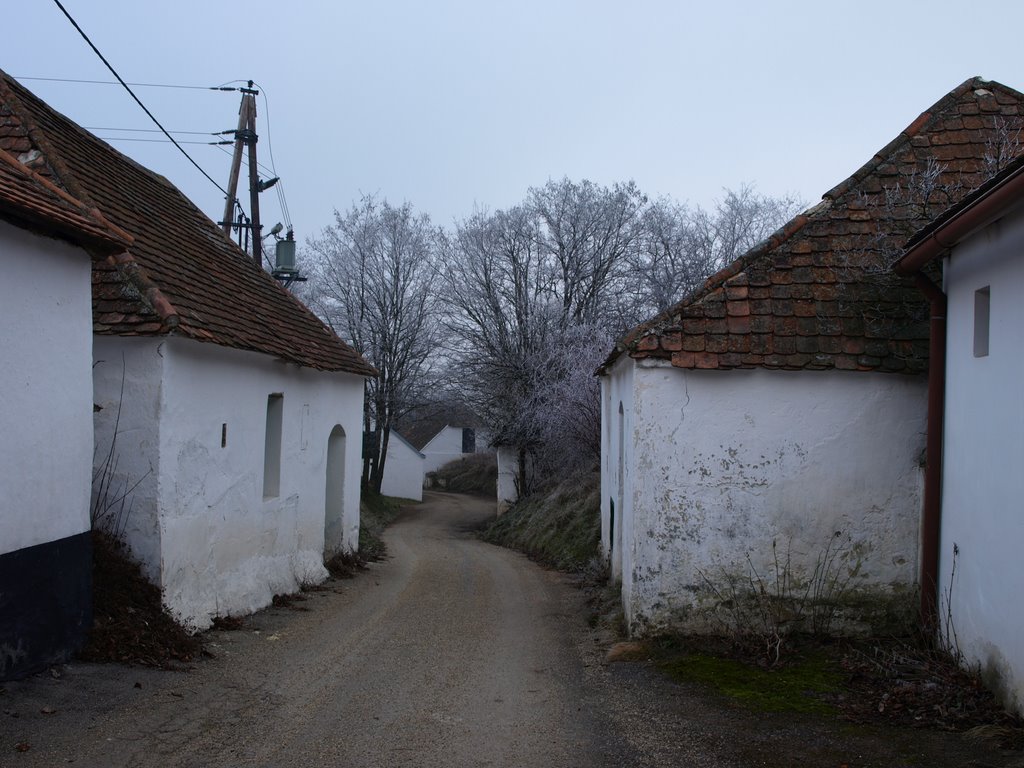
(722, 463)
(983, 455)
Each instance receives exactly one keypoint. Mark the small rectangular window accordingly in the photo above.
(468, 440)
(981, 321)
(272, 446)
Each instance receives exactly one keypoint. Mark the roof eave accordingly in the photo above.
(962, 221)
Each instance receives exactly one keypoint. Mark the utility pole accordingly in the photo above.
(245, 136)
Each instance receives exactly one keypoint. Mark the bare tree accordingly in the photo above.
(502, 310)
(372, 272)
(587, 233)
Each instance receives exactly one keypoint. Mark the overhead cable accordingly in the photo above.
(136, 85)
(137, 100)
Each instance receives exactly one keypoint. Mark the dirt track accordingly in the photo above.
(450, 653)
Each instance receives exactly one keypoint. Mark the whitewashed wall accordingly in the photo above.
(403, 470)
(508, 470)
(719, 464)
(127, 380)
(221, 547)
(983, 493)
(617, 444)
(45, 377)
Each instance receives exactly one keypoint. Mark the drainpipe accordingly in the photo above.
(931, 522)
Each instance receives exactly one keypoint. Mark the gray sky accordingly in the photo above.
(452, 104)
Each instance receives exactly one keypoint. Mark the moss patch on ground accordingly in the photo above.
(805, 685)
(559, 526)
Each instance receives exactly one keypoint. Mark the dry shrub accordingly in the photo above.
(130, 624)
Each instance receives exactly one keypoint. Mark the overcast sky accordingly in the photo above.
(451, 105)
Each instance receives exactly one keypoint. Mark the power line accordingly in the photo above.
(137, 100)
(152, 130)
(162, 141)
(137, 85)
(261, 166)
(270, 147)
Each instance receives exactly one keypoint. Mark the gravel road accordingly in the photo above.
(450, 653)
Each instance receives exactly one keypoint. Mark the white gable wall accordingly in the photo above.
(46, 410)
(982, 493)
(443, 447)
(403, 470)
(726, 462)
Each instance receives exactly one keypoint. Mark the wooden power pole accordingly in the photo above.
(245, 136)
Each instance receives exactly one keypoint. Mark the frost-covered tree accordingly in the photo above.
(372, 275)
(563, 409)
(537, 293)
(586, 235)
(502, 311)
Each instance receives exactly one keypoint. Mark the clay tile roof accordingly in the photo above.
(181, 274)
(32, 202)
(819, 293)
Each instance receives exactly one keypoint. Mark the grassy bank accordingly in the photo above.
(376, 512)
(476, 475)
(559, 526)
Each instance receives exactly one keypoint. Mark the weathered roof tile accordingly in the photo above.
(31, 201)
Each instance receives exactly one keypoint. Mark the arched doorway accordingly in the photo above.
(334, 497)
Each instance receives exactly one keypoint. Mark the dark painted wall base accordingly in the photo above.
(45, 604)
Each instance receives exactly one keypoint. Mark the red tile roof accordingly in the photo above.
(181, 273)
(812, 296)
(30, 201)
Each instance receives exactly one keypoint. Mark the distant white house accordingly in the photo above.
(46, 238)
(780, 409)
(980, 580)
(447, 445)
(403, 469)
(237, 412)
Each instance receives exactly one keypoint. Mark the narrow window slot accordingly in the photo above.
(982, 310)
